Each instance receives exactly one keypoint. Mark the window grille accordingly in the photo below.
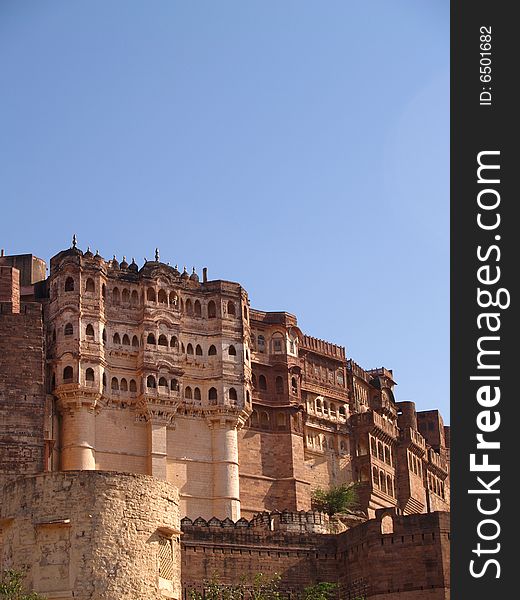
(165, 558)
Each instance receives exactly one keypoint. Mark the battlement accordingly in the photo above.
(296, 522)
(322, 347)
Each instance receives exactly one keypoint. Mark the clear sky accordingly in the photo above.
(298, 147)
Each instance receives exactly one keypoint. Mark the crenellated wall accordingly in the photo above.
(391, 556)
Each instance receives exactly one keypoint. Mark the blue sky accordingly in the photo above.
(300, 148)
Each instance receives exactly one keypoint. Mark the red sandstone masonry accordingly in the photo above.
(411, 563)
(22, 397)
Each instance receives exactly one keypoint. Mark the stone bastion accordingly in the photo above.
(93, 535)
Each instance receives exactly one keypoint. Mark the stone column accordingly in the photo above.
(226, 490)
(78, 433)
(157, 453)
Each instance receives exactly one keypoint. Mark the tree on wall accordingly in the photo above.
(11, 587)
(337, 499)
(320, 591)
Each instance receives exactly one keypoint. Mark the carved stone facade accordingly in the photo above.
(105, 366)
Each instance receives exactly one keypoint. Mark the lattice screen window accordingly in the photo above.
(165, 558)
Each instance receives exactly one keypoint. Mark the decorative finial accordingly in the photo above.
(97, 252)
(74, 241)
(185, 270)
(114, 257)
(177, 267)
(193, 270)
(157, 255)
(124, 258)
(88, 248)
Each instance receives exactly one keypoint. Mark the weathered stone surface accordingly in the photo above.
(92, 535)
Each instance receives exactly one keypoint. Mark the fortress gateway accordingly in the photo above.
(156, 429)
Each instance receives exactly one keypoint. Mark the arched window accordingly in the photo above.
(264, 420)
(189, 349)
(294, 386)
(375, 476)
(150, 295)
(124, 385)
(387, 455)
(198, 350)
(373, 447)
(114, 385)
(133, 386)
(197, 309)
(89, 285)
(104, 379)
(254, 419)
(245, 313)
(232, 351)
(163, 383)
(150, 381)
(212, 310)
(174, 385)
(116, 339)
(382, 481)
(135, 342)
(134, 298)
(188, 394)
(163, 340)
(212, 395)
(233, 394)
(279, 385)
(69, 284)
(173, 299)
(189, 307)
(89, 331)
(263, 383)
(174, 343)
(248, 397)
(231, 309)
(196, 394)
(104, 336)
(125, 296)
(281, 420)
(212, 351)
(380, 453)
(69, 330)
(278, 345)
(318, 405)
(103, 291)
(116, 296)
(342, 411)
(332, 409)
(389, 487)
(150, 339)
(126, 340)
(253, 380)
(162, 297)
(261, 343)
(89, 374)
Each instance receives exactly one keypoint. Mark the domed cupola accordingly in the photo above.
(185, 275)
(133, 266)
(194, 276)
(88, 253)
(114, 264)
(124, 264)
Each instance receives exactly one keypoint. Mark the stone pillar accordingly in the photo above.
(226, 491)
(78, 438)
(157, 448)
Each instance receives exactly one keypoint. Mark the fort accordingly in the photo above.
(156, 429)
